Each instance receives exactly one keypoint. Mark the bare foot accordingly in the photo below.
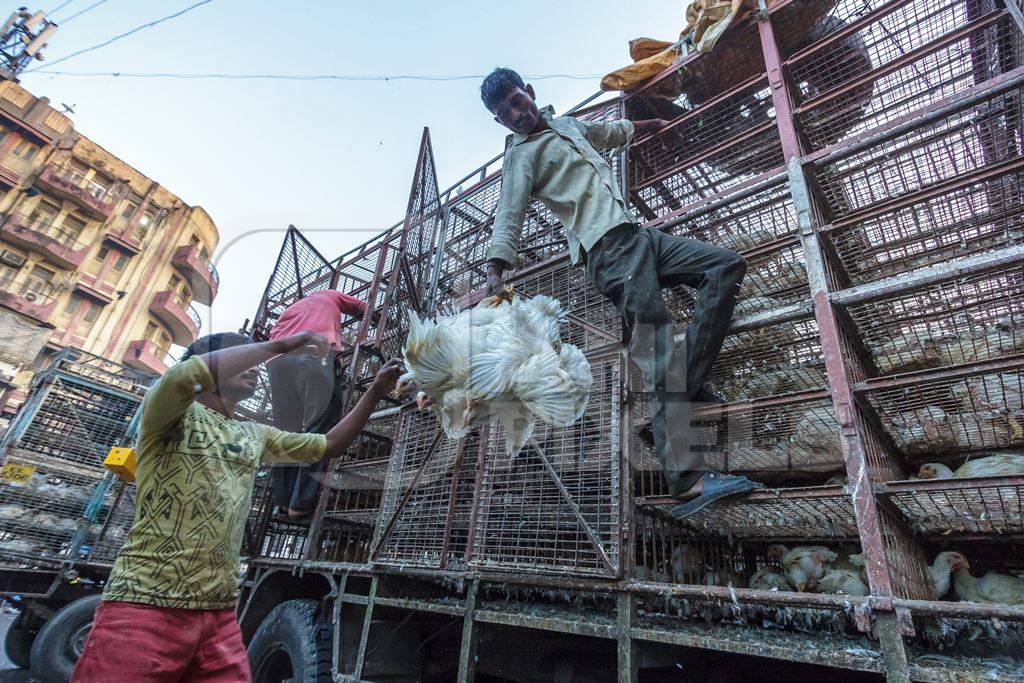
(693, 491)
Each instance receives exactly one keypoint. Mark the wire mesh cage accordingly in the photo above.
(299, 271)
(703, 151)
(757, 361)
(78, 408)
(417, 506)
(793, 513)
(554, 507)
(969, 508)
(40, 516)
(964, 142)
(978, 409)
(876, 62)
(907, 131)
(960, 320)
(105, 537)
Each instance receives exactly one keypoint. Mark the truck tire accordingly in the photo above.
(59, 643)
(291, 644)
(18, 642)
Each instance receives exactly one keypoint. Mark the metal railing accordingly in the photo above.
(39, 223)
(98, 191)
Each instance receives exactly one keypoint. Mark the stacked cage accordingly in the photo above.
(57, 502)
(864, 158)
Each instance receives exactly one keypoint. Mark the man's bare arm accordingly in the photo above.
(235, 359)
(341, 436)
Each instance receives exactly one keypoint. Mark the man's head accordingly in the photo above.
(235, 387)
(512, 101)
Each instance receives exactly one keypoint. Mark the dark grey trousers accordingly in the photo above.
(631, 265)
(306, 393)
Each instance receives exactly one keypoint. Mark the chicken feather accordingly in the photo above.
(503, 360)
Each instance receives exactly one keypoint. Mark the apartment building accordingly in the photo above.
(93, 253)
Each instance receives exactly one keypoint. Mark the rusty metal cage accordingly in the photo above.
(865, 159)
(76, 410)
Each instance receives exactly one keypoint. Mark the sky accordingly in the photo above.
(333, 158)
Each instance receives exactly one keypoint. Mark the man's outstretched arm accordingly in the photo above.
(616, 134)
(503, 250)
(235, 359)
(341, 436)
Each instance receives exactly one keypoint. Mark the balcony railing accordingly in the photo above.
(33, 299)
(95, 198)
(202, 275)
(192, 313)
(41, 225)
(98, 191)
(37, 233)
(178, 315)
(144, 355)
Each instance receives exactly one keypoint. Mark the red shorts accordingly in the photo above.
(132, 642)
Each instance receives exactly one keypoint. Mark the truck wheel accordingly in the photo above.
(60, 641)
(18, 642)
(291, 645)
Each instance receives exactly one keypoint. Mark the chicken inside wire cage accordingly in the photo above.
(502, 359)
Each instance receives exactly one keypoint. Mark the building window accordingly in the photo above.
(43, 215)
(149, 218)
(99, 185)
(76, 169)
(95, 264)
(113, 276)
(8, 271)
(160, 337)
(79, 304)
(38, 283)
(25, 150)
(131, 205)
(72, 229)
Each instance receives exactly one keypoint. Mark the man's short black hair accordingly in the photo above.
(214, 342)
(497, 86)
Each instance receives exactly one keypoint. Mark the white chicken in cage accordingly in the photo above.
(997, 465)
(12, 512)
(818, 429)
(501, 359)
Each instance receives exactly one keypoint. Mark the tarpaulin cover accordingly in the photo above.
(706, 21)
(21, 339)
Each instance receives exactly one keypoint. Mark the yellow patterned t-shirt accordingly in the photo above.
(194, 478)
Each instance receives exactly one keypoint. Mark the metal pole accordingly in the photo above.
(864, 504)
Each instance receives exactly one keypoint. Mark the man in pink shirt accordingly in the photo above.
(307, 391)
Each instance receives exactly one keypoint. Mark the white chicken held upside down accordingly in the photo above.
(500, 359)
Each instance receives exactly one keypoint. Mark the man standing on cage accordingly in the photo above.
(168, 610)
(555, 160)
(306, 393)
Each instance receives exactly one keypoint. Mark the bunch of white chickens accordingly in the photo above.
(501, 359)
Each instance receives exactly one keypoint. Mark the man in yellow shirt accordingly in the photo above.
(168, 611)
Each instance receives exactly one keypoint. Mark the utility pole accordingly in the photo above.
(22, 39)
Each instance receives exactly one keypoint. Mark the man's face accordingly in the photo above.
(241, 386)
(518, 111)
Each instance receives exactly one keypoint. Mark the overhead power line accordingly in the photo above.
(93, 6)
(116, 38)
(300, 77)
(60, 6)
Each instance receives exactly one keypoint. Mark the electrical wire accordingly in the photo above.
(93, 6)
(116, 38)
(300, 77)
(60, 7)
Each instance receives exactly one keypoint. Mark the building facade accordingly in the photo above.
(93, 254)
